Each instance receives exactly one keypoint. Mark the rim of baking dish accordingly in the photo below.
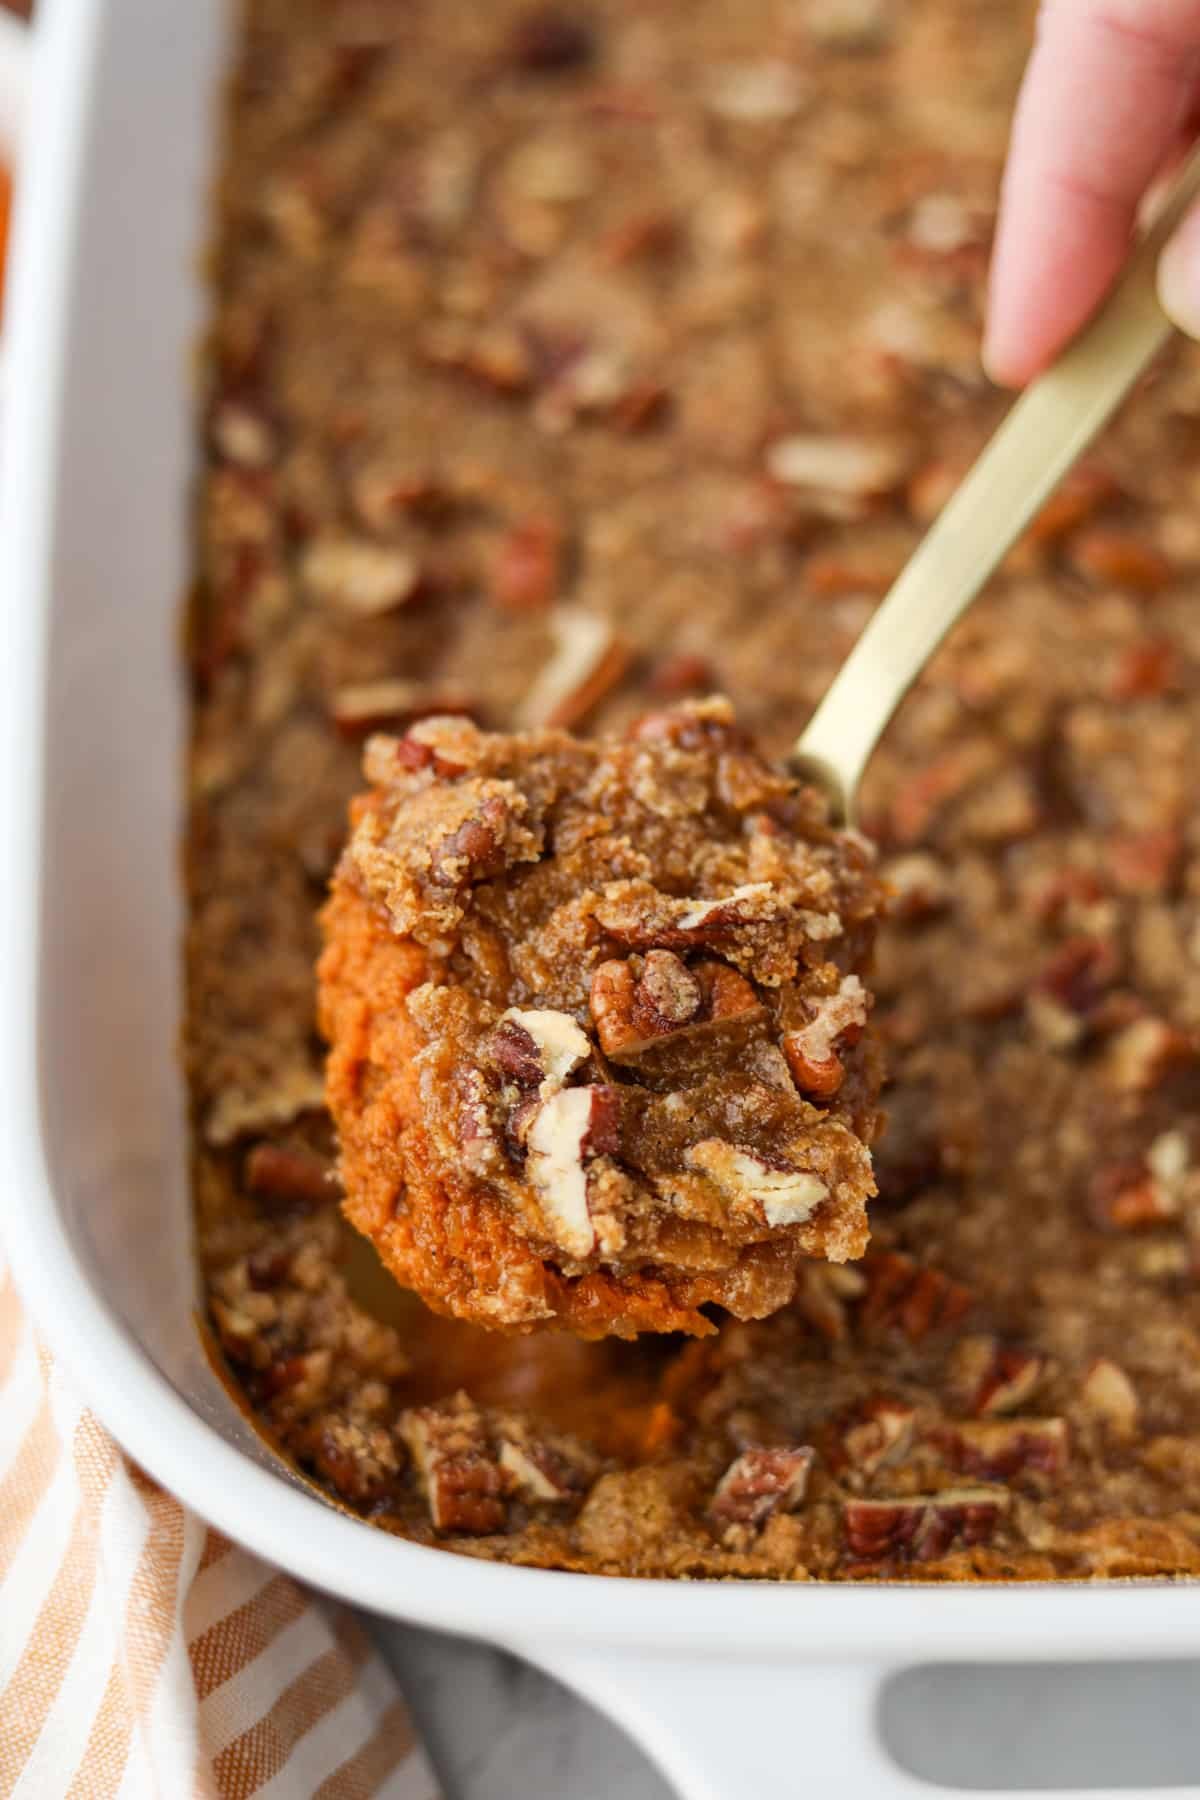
(287, 1525)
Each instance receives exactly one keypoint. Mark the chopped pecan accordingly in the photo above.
(538, 1047)
(366, 706)
(903, 1296)
(278, 1172)
(919, 885)
(1079, 972)
(1109, 555)
(758, 92)
(783, 1196)
(475, 850)
(880, 1432)
(551, 40)
(1142, 1054)
(642, 235)
(359, 577)
(1001, 1448)
(1079, 497)
(821, 1296)
(922, 1527)
(589, 661)
(852, 468)
(242, 434)
(544, 1468)
(526, 571)
(1128, 1196)
(1143, 671)
(1143, 862)
(1107, 1394)
(661, 921)
(811, 1051)
(676, 676)
(361, 1461)
(759, 1483)
(990, 1377)
(462, 1482)
(565, 1133)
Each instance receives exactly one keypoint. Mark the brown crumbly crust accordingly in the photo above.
(560, 984)
(617, 388)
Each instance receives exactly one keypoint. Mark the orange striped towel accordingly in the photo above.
(142, 1654)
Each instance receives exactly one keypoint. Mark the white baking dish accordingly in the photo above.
(737, 1690)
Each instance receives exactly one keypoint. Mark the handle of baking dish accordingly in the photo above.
(743, 1729)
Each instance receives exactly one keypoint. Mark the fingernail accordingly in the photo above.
(1179, 276)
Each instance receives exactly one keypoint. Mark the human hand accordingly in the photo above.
(1112, 88)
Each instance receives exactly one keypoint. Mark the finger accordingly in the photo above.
(1104, 97)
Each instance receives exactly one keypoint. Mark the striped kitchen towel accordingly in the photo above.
(142, 1654)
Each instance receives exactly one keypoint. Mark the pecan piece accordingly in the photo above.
(538, 1047)
(1107, 554)
(243, 435)
(921, 1527)
(663, 922)
(1140, 1056)
(1001, 1448)
(475, 850)
(991, 1378)
(916, 1301)
(462, 1482)
(359, 577)
(880, 1433)
(759, 1483)
(648, 1001)
(297, 1176)
(810, 1052)
(782, 1196)
(589, 661)
(1127, 1196)
(551, 40)
(542, 1468)
(527, 568)
(362, 707)
(566, 1132)
(1107, 1394)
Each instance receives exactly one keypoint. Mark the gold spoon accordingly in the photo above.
(1042, 436)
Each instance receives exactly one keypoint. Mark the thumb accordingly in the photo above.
(1179, 276)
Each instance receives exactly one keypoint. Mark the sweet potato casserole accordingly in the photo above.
(573, 364)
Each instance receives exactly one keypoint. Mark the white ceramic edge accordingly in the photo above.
(557, 1618)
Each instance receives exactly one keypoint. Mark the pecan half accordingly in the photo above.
(922, 1527)
(761, 1482)
(645, 1001)
(462, 1482)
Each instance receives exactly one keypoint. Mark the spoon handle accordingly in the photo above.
(1042, 436)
